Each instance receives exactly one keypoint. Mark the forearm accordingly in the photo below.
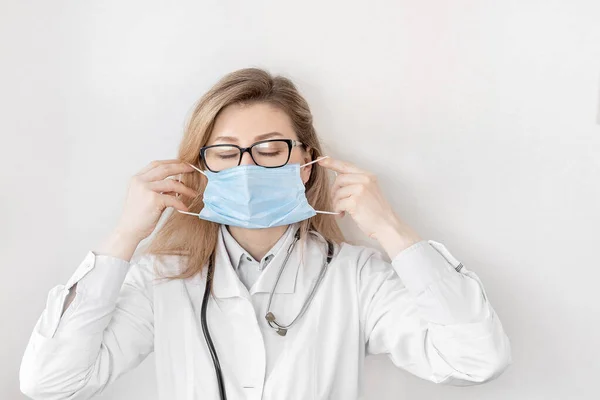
(119, 245)
(439, 305)
(396, 236)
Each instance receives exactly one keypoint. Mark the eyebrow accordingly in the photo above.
(263, 136)
(268, 135)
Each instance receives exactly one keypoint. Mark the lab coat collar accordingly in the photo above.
(226, 282)
(236, 252)
(287, 281)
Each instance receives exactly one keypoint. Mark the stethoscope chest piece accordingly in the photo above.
(271, 320)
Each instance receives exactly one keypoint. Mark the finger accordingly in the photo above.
(345, 205)
(178, 179)
(170, 201)
(176, 195)
(349, 179)
(340, 166)
(155, 164)
(347, 191)
(171, 185)
(163, 171)
(173, 193)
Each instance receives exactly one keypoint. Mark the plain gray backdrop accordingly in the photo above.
(480, 119)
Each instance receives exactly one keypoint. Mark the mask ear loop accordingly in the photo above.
(189, 213)
(197, 169)
(203, 173)
(312, 162)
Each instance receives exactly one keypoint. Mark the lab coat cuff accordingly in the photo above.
(99, 276)
(423, 264)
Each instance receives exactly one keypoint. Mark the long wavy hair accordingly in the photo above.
(196, 238)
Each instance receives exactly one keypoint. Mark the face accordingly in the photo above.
(244, 125)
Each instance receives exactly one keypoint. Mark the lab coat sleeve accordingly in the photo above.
(431, 316)
(106, 331)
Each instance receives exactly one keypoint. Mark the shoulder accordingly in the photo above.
(370, 270)
(358, 259)
(361, 268)
(358, 255)
(152, 268)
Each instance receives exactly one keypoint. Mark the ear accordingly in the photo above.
(305, 172)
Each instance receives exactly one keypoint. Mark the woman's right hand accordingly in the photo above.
(148, 195)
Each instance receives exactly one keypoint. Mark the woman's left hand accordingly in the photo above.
(356, 192)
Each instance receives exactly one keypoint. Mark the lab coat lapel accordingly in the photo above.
(287, 281)
(226, 283)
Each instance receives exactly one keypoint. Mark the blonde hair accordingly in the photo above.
(197, 238)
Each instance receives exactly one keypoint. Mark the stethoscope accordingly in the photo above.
(270, 317)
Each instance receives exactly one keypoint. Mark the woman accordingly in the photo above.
(280, 319)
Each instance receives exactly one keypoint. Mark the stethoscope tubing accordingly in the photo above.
(209, 342)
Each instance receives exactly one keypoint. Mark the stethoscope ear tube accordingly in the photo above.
(211, 347)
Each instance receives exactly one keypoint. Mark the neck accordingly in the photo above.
(257, 242)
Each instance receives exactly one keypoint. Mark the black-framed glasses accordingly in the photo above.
(272, 153)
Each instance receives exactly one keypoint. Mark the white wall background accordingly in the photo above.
(481, 119)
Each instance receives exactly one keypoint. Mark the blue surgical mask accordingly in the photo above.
(251, 196)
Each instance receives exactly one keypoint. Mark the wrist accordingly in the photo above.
(127, 235)
(396, 236)
(119, 244)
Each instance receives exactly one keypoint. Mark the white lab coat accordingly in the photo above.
(425, 310)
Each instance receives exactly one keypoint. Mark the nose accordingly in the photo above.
(247, 159)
